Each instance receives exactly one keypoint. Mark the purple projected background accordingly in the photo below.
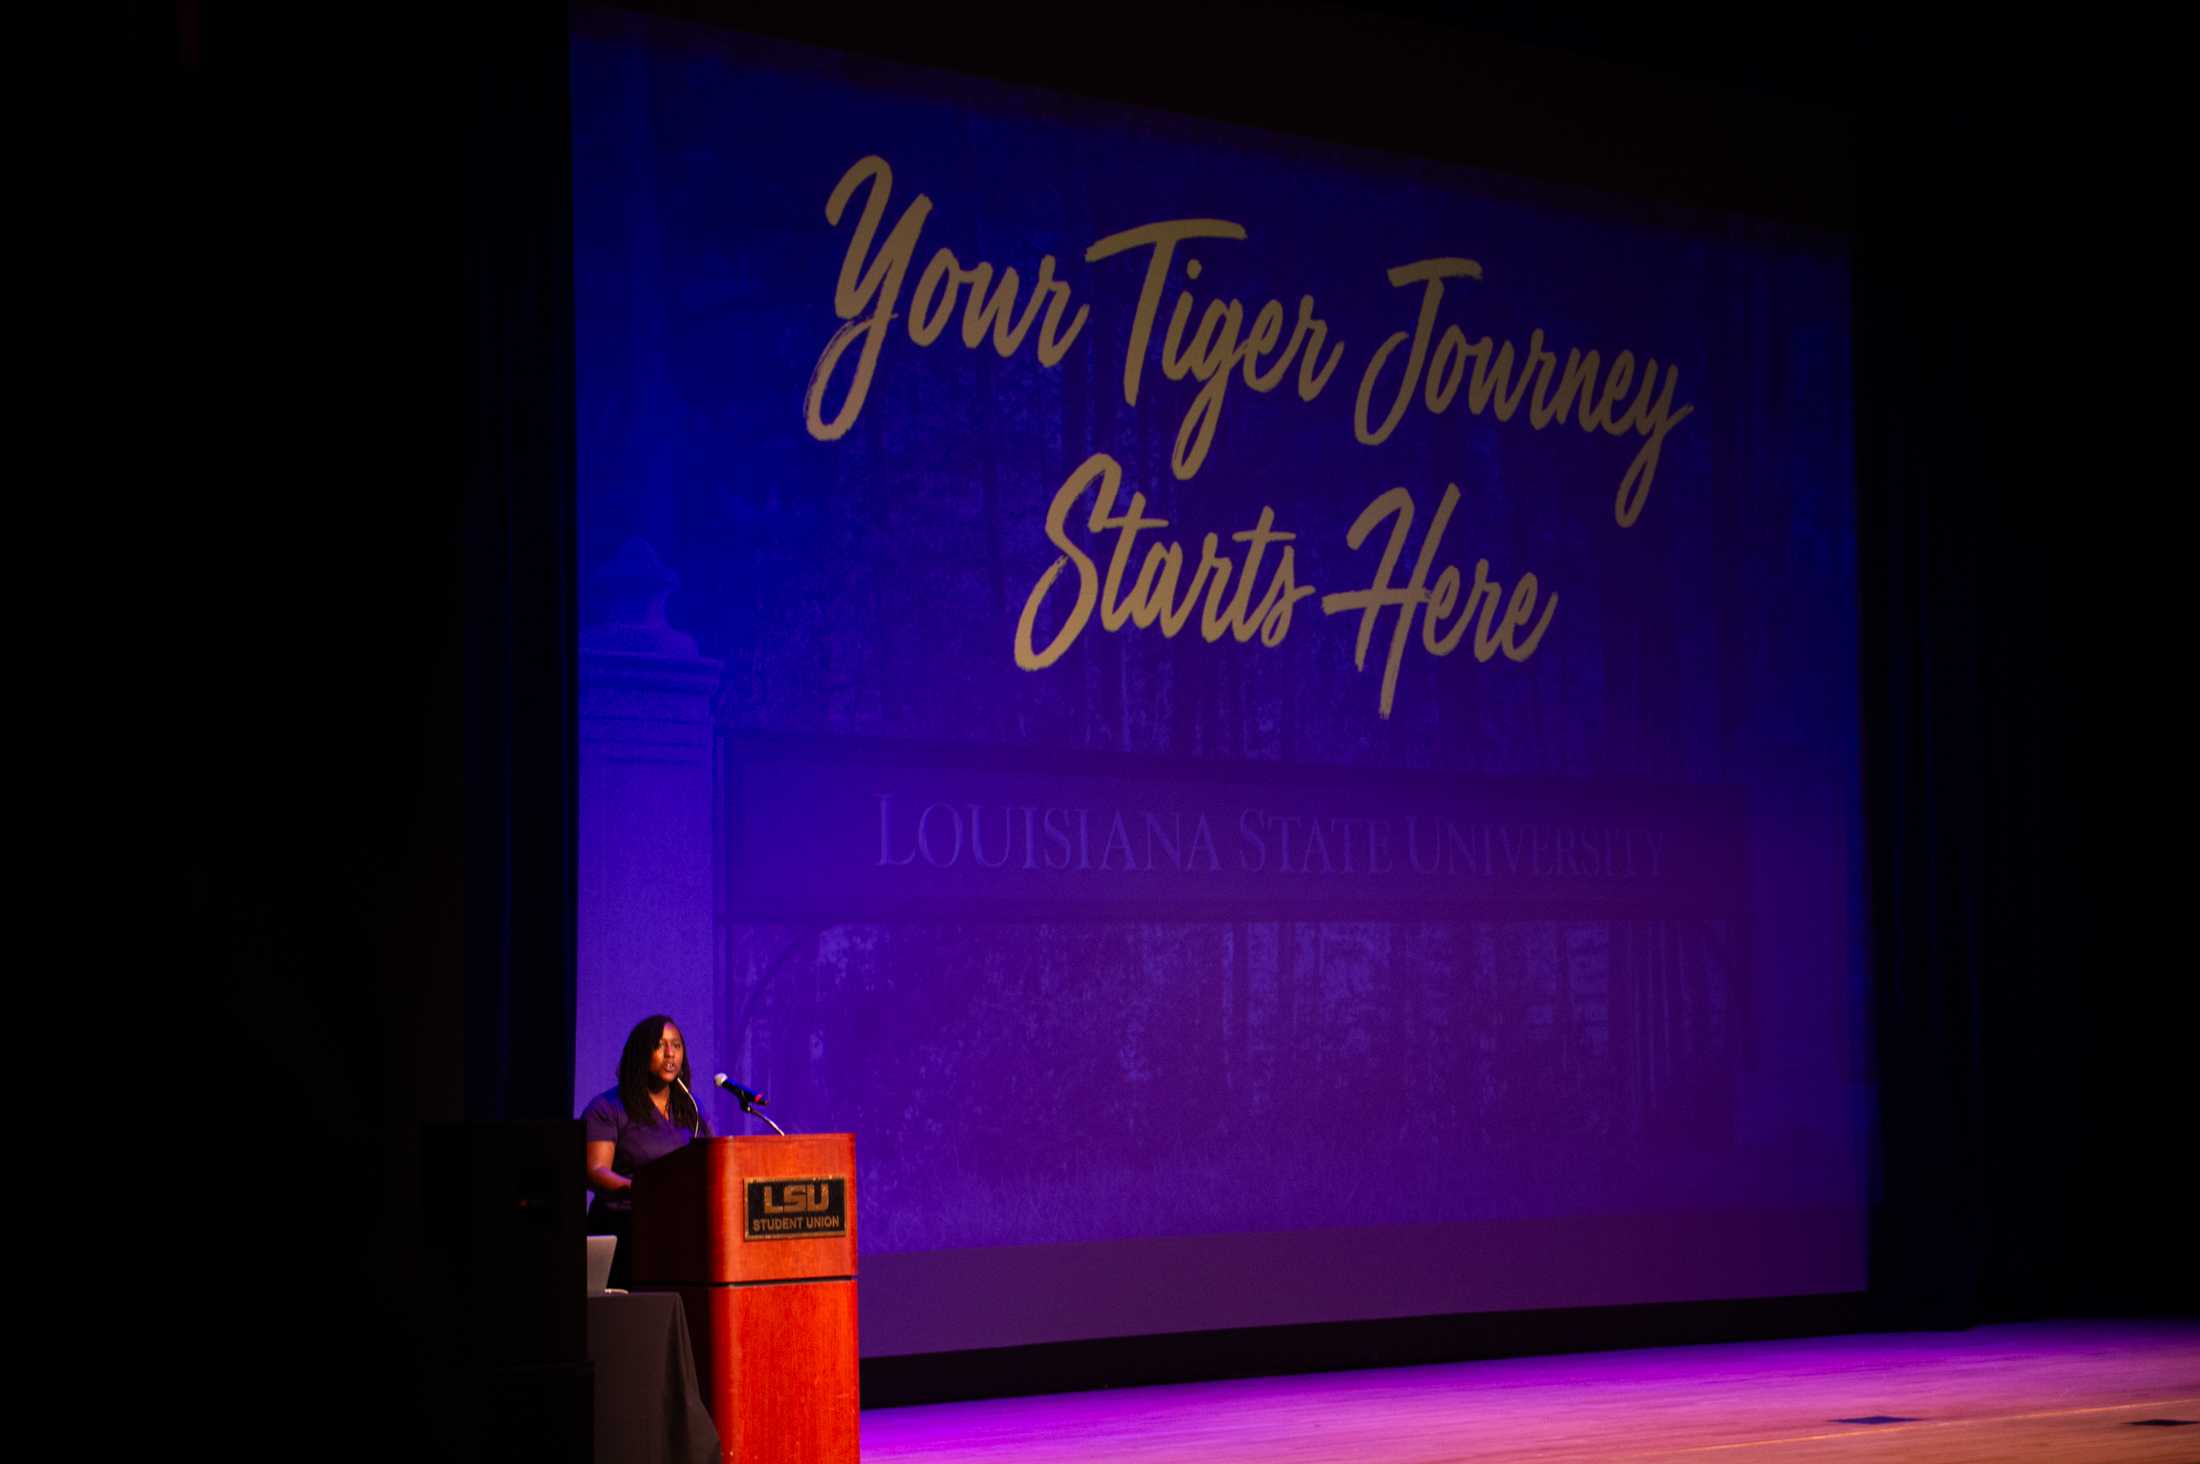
(1171, 983)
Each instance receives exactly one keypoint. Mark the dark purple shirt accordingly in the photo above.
(606, 1121)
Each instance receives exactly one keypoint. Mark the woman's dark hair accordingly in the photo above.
(634, 1064)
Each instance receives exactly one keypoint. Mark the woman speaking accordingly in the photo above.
(648, 1115)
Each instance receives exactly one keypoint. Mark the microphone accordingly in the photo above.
(749, 1101)
(741, 1095)
(698, 1131)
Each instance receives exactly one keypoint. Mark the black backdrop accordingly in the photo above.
(360, 308)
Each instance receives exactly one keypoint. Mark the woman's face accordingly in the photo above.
(670, 1058)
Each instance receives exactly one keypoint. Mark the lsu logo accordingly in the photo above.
(799, 1197)
(813, 1208)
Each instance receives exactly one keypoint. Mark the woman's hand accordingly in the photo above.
(601, 1176)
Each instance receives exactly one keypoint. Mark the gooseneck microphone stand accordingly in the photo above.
(750, 1102)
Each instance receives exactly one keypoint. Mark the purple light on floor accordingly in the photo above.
(2061, 1390)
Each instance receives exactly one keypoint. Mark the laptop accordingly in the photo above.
(600, 1250)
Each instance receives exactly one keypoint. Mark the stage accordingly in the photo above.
(2065, 1391)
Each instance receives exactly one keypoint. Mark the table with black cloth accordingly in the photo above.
(649, 1406)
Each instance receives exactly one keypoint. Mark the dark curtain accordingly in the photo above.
(521, 719)
(347, 251)
(2028, 1021)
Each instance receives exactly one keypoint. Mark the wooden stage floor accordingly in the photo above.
(2064, 1392)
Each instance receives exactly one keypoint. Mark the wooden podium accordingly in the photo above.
(758, 1235)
